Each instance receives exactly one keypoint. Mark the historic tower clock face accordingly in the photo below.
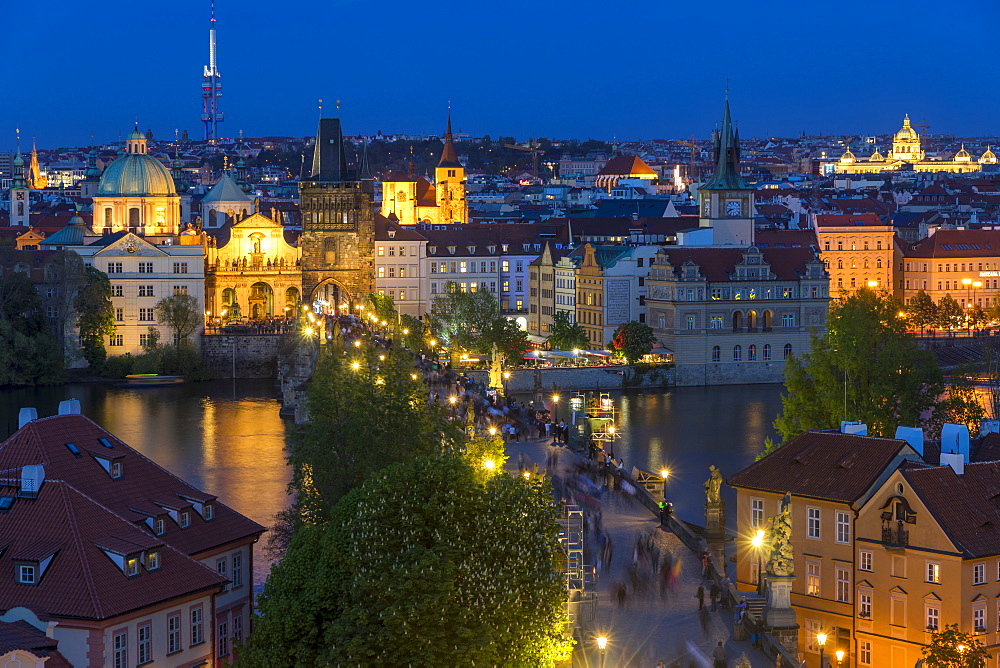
(733, 208)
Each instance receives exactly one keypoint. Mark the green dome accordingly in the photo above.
(136, 175)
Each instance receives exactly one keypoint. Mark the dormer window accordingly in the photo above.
(152, 560)
(159, 526)
(392, 234)
(451, 249)
(27, 574)
(117, 469)
(432, 250)
(472, 250)
(184, 520)
(132, 566)
(209, 511)
(527, 247)
(491, 249)
(504, 247)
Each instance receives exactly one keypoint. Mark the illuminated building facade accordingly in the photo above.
(725, 201)
(415, 200)
(907, 154)
(857, 249)
(962, 263)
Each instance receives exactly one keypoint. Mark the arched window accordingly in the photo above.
(878, 263)
(788, 351)
(751, 320)
(107, 217)
(840, 264)
(752, 353)
(767, 352)
(716, 353)
(133, 217)
(737, 353)
(866, 263)
(768, 317)
(737, 320)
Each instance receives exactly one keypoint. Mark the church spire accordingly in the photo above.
(727, 156)
(38, 182)
(449, 158)
(19, 182)
(329, 159)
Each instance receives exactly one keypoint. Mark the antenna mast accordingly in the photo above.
(211, 88)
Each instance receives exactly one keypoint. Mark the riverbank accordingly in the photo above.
(581, 378)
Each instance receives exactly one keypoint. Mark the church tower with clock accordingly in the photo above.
(726, 201)
(20, 194)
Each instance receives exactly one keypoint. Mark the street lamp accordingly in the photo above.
(840, 657)
(602, 644)
(872, 284)
(555, 406)
(489, 464)
(493, 431)
(355, 365)
(506, 377)
(663, 474)
(821, 641)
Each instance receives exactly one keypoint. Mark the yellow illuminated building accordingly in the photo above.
(907, 154)
(859, 251)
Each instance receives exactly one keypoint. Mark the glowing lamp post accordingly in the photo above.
(821, 641)
(840, 657)
(663, 474)
(555, 407)
(602, 644)
(872, 284)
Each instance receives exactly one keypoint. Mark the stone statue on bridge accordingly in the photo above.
(713, 485)
(781, 559)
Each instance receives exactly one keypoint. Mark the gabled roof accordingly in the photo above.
(848, 220)
(81, 580)
(21, 635)
(144, 489)
(823, 465)
(626, 165)
(967, 506)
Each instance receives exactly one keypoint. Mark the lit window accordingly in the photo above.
(152, 561)
(132, 566)
(812, 578)
(933, 572)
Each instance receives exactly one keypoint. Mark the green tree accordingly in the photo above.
(961, 403)
(632, 340)
(949, 313)
(382, 306)
(922, 311)
(976, 316)
(412, 332)
(461, 318)
(181, 313)
(361, 420)
(29, 354)
(96, 315)
(952, 648)
(508, 337)
(567, 335)
(424, 565)
(867, 367)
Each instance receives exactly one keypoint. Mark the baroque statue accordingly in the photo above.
(781, 560)
(713, 485)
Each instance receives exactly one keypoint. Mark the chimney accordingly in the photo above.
(955, 439)
(26, 415)
(69, 407)
(912, 435)
(954, 460)
(32, 477)
(853, 427)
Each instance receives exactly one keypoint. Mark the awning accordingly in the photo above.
(661, 351)
(533, 355)
(598, 353)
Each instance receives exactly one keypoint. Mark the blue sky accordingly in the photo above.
(566, 69)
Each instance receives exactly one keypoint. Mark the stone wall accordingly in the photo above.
(730, 373)
(525, 381)
(251, 355)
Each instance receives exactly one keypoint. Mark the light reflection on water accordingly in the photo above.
(227, 440)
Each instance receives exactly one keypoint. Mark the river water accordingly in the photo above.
(228, 439)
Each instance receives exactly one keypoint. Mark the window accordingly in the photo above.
(752, 353)
(185, 519)
(144, 340)
(223, 639)
(787, 351)
(152, 561)
(933, 618)
(812, 578)
(237, 573)
(392, 251)
(865, 605)
(812, 630)
(116, 470)
(505, 287)
(26, 574)
(114, 267)
(865, 653)
(220, 566)
(121, 649)
(132, 566)
(756, 513)
(519, 285)
(978, 574)
(504, 265)
(144, 643)
(690, 322)
(173, 634)
(145, 290)
(145, 315)
(197, 626)
(381, 251)
(462, 267)
(116, 340)
(812, 522)
(180, 289)
(715, 322)
(767, 352)
(118, 290)
(237, 629)
(788, 320)
(519, 265)
(979, 620)
(716, 353)
(661, 321)
(159, 526)
(737, 353)
(934, 572)
(434, 268)
(843, 527)
(209, 513)
(402, 272)
(180, 267)
(865, 560)
(843, 585)
(119, 314)
(402, 251)
(145, 267)
(392, 272)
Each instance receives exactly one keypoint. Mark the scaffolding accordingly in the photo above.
(580, 577)
(596, 413)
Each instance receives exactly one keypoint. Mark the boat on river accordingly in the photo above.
(149, 380)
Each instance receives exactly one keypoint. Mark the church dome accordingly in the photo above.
(848, 157)
(876, 157)
(906, 133)
(963, 155)
(988, 158)
(136, 175)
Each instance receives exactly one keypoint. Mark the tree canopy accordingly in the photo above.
(952, 648)
(867, 367)
(472, 321)
(29, 354)
(96, 315)
(632, 340)
(423, 565)
(181, 313)
(567, 335)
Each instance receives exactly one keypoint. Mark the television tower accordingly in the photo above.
(211, 89)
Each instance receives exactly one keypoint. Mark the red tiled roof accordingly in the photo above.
(966, 506)
(822, 465)
(23, 636)
(143, 483)
(81, 580)
(717, 264)
(848, 220)
(626, 165)
(956, 243)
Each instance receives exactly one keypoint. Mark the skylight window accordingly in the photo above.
(6, 502)
(105, 442)
(72, 448)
